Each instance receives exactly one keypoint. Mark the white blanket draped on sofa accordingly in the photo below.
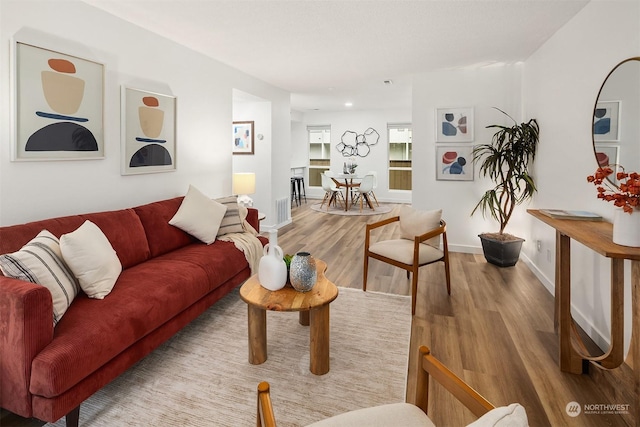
(248, 243)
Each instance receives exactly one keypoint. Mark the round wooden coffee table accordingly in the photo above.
(314, 312)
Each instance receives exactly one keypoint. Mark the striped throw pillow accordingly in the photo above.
(231, 223)
(40, 261)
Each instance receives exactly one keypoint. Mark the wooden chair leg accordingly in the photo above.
(324, 199)
(366, 268)
(375, 198)
(447, 273)
(414, 290)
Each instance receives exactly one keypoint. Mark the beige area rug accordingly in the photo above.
(354, 211)
(202, 377)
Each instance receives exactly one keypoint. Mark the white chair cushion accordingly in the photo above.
(91, 258)
(199, 216)
(513, 415)
(416, 223)
(394, 414)
(402, 250)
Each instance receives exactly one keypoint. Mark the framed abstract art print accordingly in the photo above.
(454, 125)
(243, 138)
(148, 132)
(58, 105)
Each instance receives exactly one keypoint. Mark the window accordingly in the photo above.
(319, 153)
(399, 156)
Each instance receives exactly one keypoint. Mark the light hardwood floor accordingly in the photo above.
(495, 330)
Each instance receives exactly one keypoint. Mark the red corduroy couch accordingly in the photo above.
(168, 279)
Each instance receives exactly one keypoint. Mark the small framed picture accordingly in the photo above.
(243, 138)
(454, 124)
(606, 121)
(148, 132)
(454, 163)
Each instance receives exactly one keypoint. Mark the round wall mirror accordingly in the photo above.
(616, 119)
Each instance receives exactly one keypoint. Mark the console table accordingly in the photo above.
(597, 236)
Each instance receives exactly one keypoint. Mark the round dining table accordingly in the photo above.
(348, 184)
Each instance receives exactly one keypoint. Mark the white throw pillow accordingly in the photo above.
(40, 261)
(92, 259)
(513, 415)
(199, 216)
(416, 223)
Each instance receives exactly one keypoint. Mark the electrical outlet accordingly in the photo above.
(548, 255)
(539, 245)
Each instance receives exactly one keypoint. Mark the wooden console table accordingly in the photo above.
(596, 235)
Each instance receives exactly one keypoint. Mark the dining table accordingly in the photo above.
(348, 185)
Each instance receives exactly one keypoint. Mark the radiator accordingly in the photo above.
(282, 210)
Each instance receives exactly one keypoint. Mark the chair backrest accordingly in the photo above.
(429, 367)
(327, 184)
(375, 178)
(367, 184)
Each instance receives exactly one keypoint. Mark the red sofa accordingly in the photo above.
(168, 279)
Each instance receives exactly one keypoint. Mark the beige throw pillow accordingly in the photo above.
(199, 216)
(92, 259)
(416, 223)
(232, 221)
(40, 261)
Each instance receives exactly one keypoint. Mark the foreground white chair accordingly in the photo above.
(375, 185)
(419, 245)
(413, 414)
(364, 191)
(331, 192)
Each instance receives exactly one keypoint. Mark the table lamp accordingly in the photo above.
(244, 184)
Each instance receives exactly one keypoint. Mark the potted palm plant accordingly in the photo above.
(506, 161)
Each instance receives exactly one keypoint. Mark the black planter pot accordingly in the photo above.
(503, 253)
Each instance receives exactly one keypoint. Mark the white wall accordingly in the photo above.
(359, 122)
(260, 163)
(132, 56)
(561, 83)
(481, 88)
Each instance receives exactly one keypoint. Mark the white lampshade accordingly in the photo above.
(243, 184)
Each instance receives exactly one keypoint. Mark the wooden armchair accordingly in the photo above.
(413, 413)
(408, 254)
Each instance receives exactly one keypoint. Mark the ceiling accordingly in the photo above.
(328, 52)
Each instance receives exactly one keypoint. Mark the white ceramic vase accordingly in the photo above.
(626, 228)
(272, 271)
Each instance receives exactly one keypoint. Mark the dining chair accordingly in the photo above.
(364, 190)
(414, 413)
(375, 185)
(331, 192)
(418, 245)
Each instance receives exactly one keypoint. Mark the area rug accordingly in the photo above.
(202, 377)
(354, 211)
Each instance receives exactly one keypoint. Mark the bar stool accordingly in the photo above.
(294, 194)
(299, 180)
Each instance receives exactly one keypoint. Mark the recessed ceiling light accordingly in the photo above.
(348, 104)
